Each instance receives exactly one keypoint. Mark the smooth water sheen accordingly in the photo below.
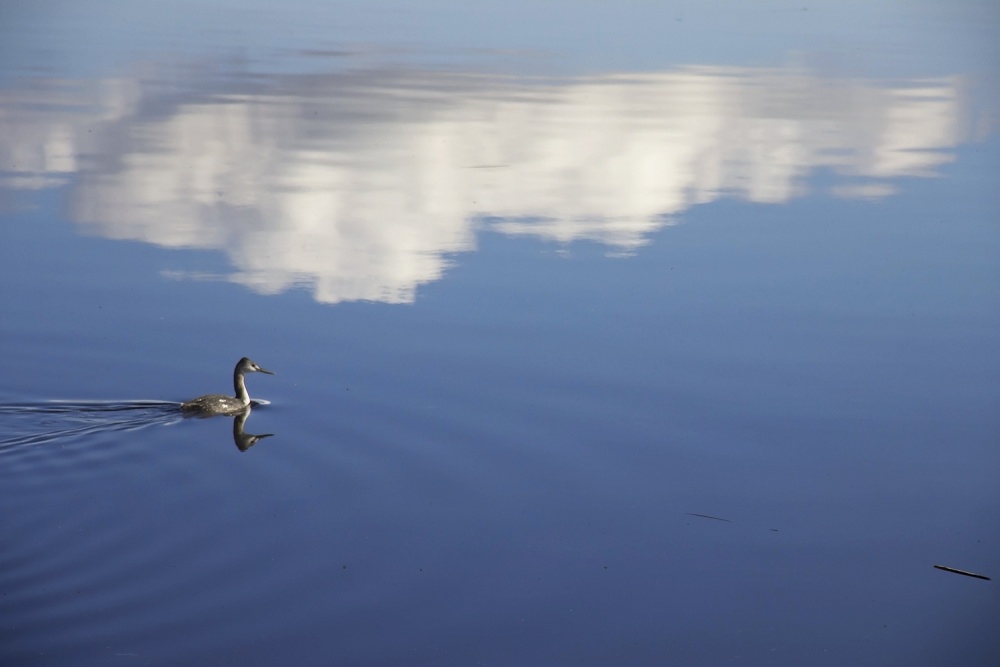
(605, 333)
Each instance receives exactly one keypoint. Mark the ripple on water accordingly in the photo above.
(101, 544)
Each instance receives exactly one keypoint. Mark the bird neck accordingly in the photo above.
(241, 388)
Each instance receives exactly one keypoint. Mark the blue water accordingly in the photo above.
(639, 338)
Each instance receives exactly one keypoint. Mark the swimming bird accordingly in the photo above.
(218, 404)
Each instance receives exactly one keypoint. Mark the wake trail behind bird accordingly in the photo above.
(26, 424)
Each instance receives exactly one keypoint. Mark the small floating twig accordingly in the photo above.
(968, 574)
(708, 516)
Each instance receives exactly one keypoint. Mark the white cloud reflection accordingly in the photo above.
(360, 185)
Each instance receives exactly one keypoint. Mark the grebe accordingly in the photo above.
(217, 404)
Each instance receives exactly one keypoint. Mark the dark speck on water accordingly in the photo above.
(968, 574)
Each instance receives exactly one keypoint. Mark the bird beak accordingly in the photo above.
(264, 370)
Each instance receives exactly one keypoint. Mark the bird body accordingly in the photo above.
(220, 404)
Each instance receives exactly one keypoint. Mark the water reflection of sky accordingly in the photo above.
(360, 184)
(531, 451)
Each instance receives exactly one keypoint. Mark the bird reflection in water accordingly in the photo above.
(244, 440)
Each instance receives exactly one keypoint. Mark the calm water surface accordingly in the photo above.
(605, 334)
